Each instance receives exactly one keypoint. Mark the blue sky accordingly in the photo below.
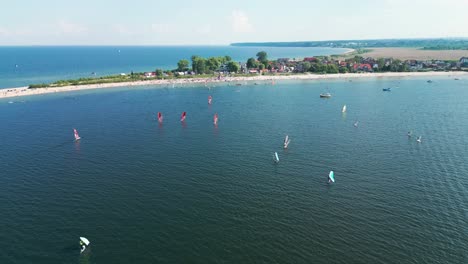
(183, 22)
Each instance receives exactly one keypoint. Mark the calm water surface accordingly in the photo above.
(195, 193)
(21, 66)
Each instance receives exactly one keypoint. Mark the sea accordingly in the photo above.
(22, 66)
(193, 192)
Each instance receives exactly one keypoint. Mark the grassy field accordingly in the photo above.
(415, 54)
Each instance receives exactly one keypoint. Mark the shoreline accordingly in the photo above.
(25, 91)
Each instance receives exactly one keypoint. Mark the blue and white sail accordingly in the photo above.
(275, 157)
(331, 177)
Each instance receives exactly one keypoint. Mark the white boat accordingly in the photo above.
(276, 158)
(77, 137)
(286, 142)
(344, 109)
(325, 95)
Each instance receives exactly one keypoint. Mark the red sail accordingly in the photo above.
(215, 119)
(77, 137)
(182, 117)
(160, 117)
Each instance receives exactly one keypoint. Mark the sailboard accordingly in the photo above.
(331, 177)
(77, 137)
(286, 141)
(210, 99)
(215, 119)
(276, 157)
(183, 116)
(344, 109)
(160, 117)
(419, 139)
(356, 124)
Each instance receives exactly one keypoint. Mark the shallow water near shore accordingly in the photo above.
(176, 193)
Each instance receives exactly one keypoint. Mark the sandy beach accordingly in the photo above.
(24, 91)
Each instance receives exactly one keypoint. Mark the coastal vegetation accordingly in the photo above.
(219, 67)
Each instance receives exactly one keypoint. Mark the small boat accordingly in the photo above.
(387, 89)
(325, 95)
(343, 110)
(215, 119)
(160, 117)
(77, 137)
(84, 242)
(456, 79)
(356, 124)
(183, 116)
(419, 139)
(210, 99)
(275, 157)
(331, 177)
(429, 81)
(286, 142)
(238, 84)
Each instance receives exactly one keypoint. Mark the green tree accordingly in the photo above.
(332, 68)
(381, 63)
(183, 65)
(262, 56)
(252, 63)
(212, 64)
(159, 73)
(199, 65)
(227, 58)
(233, 66)
(261, 67)
(306, 66)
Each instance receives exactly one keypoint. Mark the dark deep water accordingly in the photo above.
(194, 193)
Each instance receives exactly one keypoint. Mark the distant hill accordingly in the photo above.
(431, 44)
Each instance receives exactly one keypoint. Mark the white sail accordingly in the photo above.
(344, 109)
(84, 240)
(276, 157)
(286, 141)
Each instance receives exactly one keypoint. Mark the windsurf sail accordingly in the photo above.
(276, 157)
(419, 139)
(215, 119)
(331, 177)
(83, 243)
(210, 99)
(344, 109)
(182, 117)
(356, 123)
(160, 117)
(410, 133)
(286, 141)
(77, 137)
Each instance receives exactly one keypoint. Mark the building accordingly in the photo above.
(310, 59)
(464, 62)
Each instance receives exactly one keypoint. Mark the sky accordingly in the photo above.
(217, 22)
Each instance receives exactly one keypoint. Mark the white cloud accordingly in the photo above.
(205, 29)
(71, 28)
(240, 22)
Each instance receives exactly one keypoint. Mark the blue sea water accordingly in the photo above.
(195, 193)
(21, 66)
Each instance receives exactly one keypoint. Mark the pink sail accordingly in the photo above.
(160, 117)
(215, 119)
(182, 117)
(209, 99)
(77, 137)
